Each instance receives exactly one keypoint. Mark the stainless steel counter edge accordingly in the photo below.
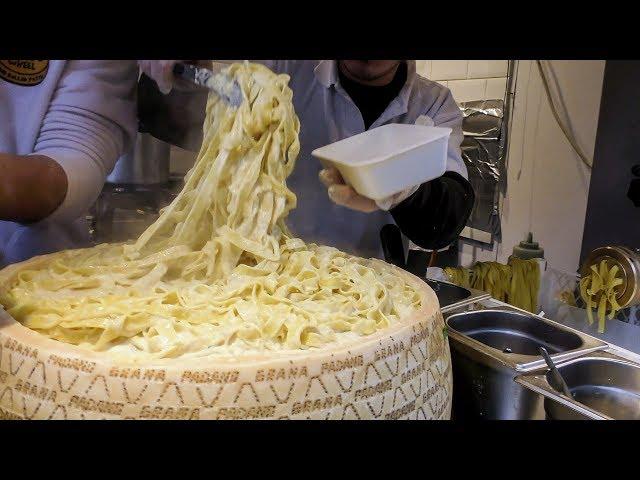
(476, 296)
(623, 353)
(523, 363)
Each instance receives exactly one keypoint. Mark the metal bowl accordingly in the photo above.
(513, 332)
(607, 386)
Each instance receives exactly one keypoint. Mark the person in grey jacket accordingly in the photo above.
(63, 125)
(336, 99)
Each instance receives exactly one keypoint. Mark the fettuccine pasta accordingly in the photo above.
(516, 283)
(598, 288)
(218, 271)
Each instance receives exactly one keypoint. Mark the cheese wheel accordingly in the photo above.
(402, 372)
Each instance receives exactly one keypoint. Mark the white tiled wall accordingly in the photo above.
(468, 79)
(496, 88)
(449, 69)
(487, 69)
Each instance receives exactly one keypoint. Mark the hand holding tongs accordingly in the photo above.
(224, 86)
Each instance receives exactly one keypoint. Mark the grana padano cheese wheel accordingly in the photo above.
(402, 372)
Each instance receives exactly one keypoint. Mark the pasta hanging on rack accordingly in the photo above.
(598, 288)
(516, 283)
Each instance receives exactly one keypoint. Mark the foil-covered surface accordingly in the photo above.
(483, 151)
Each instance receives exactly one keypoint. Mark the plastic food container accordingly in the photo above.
(388, 159)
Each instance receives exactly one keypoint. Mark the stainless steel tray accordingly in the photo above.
(604, 387)
(525, 327)
(455, 292)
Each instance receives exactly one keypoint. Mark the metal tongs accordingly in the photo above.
(224, 86)
(555, 373)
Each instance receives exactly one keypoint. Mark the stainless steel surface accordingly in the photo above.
(453, 291)
(603, 387)
(123, 212)
(557, 376)
(490, 347)
(483, 388)
(483, 151)
(147, 163)
(628, 262)
(512, 338)
(224, 86)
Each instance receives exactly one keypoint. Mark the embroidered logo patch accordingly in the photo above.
(24, 72)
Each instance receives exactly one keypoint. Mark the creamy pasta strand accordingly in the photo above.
(218, 272)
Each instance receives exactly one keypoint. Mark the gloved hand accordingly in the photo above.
(161, 71)
(425, 121)
(343, 194)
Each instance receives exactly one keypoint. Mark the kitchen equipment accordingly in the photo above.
(391, 239)
(529, 249)
(484, 147)
(419, 259)
(628, 262)
(386, 160)
(223, 85)
(449, 295)
(490, 347)
(175, 118)
(604, 387)
(553, 371)
(147, 163)
(452, 296)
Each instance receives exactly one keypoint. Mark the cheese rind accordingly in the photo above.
(400, 372)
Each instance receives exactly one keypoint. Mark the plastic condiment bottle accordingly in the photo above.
(529, 249)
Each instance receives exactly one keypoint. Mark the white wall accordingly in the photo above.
(547, 183)
(468, 79)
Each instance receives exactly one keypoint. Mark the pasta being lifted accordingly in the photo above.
(218, 272)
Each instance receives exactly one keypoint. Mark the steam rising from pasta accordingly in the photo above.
(218, 272)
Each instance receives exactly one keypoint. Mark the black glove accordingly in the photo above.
(436, 213)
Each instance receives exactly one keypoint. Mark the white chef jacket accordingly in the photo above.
(80, 113)
(327, 114)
